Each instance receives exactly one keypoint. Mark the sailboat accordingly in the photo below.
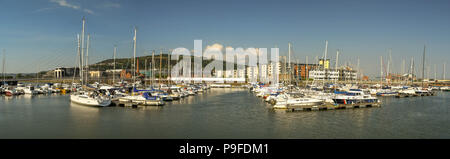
(90, 98)
(142, 97)
(87, 96)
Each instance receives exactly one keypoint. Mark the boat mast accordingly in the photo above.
(317, 68)
(114, 60)
(160, 67)
(388, 71)
(168, 67)
(324, 61)
(412, 70)
(153, 66)
(306, 71)
(82, 52)
(423, 65)
(289, 63)
(134, 57)
(87, 59)
(336, 66)
(284, 73)
(443, 76)
(298, 72)
(381, 71)
(80, 71)
(146, 70)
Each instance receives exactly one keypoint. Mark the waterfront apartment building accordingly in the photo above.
(324, 74)
(342, 74)
(271, 69)
(252, 74)
(347, 74)
(263, 73)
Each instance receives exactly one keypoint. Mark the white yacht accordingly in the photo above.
(174, 92)
(27, 90)
(355, 96)
(11, 92)
(90, 99)
(143, 99)
(284, 100)
(407, 92)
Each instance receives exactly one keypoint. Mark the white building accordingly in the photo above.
(239, 73)
(231, 73)
(252, 73)
(321, 74)
(272, 66)
(114, 71)
(347, 75)
(263, 77)
(59, 72)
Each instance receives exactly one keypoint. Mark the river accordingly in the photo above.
(221, 113)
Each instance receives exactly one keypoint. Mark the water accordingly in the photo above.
(221, 113)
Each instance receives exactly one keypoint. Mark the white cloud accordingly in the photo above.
(251, 52)
(88, 11)
(111, 5)
(64, 3)
(215, 46)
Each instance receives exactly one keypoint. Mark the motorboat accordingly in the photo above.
(386, 92)
(11, 92)
(174, 92)
(354, 96)
(145, 99)
(284, 100)
(445, 88)
(27, 89)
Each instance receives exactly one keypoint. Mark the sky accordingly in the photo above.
(41, 34)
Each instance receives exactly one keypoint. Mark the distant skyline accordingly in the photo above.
(41, 34)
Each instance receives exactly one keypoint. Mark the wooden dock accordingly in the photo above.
(130, 103)
(415, 95)
(331, 107)
(124, 103)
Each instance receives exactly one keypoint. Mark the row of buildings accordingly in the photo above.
(261, 73)
(294, 71)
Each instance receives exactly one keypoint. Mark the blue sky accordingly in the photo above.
(40, 34)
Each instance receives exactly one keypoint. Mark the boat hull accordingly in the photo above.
(89, 101)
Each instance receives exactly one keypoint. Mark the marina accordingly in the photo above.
(116, 82)
(279, 85)
(213, 115)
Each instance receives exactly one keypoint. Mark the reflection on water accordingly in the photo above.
(74, 107)
(220, 113)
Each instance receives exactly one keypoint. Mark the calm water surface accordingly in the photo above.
(221, 113)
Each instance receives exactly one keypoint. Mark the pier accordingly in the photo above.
(403, 95)
(329, 107)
